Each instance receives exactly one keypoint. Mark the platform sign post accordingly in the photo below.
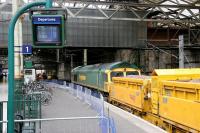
(11, 28)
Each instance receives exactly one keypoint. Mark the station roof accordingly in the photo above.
(165, 12)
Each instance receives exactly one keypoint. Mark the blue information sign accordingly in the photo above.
(27, 49)
(46, 20)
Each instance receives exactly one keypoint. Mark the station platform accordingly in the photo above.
(65, 104)
(81, 117)
(129, 123)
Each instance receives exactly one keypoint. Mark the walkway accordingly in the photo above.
(65, 104)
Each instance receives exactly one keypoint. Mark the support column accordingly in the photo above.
(71, 56)
(21, 43)
(189, 34)
(181, 51)
(57, 55)
(71, 64)
(85, 57)
(61, 71)
(58, 64)
(17, 41)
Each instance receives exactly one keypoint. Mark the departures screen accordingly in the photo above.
(48, 34)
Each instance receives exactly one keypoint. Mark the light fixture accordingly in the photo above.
(198, 4)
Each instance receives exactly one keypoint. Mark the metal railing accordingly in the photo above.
(3, 126)
(26, 107)
(68, 125)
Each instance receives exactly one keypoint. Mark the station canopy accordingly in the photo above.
(165, 12)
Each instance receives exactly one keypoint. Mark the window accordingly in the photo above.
(75, 77)
(105, 77)
(132, 73)
(116, 74)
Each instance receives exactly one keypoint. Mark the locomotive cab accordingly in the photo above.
(99, 76)
(123, 72)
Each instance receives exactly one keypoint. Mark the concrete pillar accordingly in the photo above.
(61, 71)
(85, 57)
(181, 51)
(64, 71)
(17, 42)
(21, 43)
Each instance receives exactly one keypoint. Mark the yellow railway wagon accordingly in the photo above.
(164, 99)
(131, 91)
(179, 102)
(159, 75)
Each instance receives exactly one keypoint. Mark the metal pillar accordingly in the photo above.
(71, 64)
(49, 3)
(181, 51)
(85, 57)
(57, 60)
(57, 55)
(71, 56)
(189, 34)
(11, 64)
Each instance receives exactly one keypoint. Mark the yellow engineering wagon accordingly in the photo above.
(170, 98)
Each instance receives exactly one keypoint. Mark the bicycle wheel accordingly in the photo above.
(46, 98)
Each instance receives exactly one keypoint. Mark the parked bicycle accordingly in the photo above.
(38, 90)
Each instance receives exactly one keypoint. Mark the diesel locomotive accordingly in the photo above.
(99, 76)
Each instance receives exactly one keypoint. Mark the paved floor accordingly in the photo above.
(66, 105)
(128, 123)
